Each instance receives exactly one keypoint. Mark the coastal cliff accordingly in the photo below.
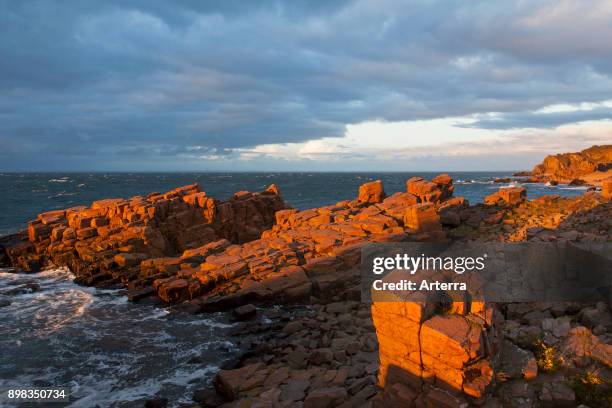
(591, 165)
(251, 251)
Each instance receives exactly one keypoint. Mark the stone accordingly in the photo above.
(513, 195)
(425, 191)
(557, 394)
(580, 342)
(231, 383)
(606, 189)
(371, 192)
(294, 390)
(325, 397)
(156, 403)
(439, 398)
(422, 218)
(399, 395)
(293, 327)
(321, 356)
(517, 362)
(245, 312)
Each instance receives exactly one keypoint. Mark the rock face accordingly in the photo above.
(569, 166)
(419, 346)
(314, 252)
(127, 240)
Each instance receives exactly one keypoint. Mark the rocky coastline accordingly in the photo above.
(250, 252)
(590, 167)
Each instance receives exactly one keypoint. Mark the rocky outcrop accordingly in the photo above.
(113, 240)
(594, 162)
(314, 252)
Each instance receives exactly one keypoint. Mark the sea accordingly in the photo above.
(113, 353)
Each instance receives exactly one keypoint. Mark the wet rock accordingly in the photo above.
(245, 312)
(207, 398)
(156, 403)
(29, 287)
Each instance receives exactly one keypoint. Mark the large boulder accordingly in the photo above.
(371, 192)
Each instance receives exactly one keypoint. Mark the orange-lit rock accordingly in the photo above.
(371, 192)
(606, 189)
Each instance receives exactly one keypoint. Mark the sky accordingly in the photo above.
(301, 85)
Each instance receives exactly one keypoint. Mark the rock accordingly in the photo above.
(294, 390)
(439, 398)
(606, 189)
(426, 192)
(569, 166)
(422, 218)
(558, 327)
(371, 192)
(29, 287)
(518, 393)
(577, 182)
(293, 327)
(207, 398)
(557, 394)
(321, 356)
(516, 362)
(399, 395)
(325, 397)
(156, 403)
(580, 342)
(598, 315)
(4, 302)
(231, 383)
(245, 312)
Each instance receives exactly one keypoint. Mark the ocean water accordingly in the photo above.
(28, 194)
(108, 351)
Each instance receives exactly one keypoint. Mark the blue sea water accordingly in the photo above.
(24, 195)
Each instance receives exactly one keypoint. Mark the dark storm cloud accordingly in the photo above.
(92, 83)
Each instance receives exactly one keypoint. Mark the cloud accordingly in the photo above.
(93, 84)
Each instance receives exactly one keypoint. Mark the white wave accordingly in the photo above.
(109, 351)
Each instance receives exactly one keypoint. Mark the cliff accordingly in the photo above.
(592, 164)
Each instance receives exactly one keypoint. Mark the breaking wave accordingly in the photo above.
(109, 351)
